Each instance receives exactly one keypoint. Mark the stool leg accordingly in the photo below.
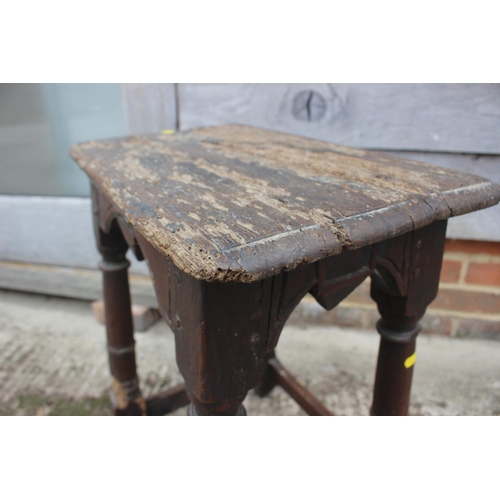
(401, 312)
(228, 350)
(126, 395)
(221, 332)
(396, 357)
(393, 378)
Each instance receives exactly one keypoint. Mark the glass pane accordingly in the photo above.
(39, 123)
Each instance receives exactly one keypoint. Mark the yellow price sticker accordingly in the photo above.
(410, 360)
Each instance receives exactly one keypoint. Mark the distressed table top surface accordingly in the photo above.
(237, 203)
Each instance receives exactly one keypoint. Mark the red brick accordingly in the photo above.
(483, 274)
(450, 271)
(473, 247)
(465, 301)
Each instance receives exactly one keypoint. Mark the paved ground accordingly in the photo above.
(53, 362)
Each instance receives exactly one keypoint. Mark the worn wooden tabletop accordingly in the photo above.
(237, 203)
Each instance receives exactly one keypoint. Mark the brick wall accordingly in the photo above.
(468, 303)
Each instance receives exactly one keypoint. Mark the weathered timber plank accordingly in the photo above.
(419, 117)
(481, 225)
(149, 107)
(58, 231)
(236, 203)
(83, 284)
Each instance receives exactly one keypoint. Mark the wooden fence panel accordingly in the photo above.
(460, 118)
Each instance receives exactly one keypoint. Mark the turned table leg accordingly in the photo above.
(120, 336)
(396, 357)
(399, 325)
(127, 397)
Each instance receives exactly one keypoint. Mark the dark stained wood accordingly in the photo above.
(235, 203)
(223, 330)
(220, 333)
(329, 281)
(126, 395)
(401, 306)
(391, 394)
(211, 324)
(392, 227)
(167, 401)
(483, 225)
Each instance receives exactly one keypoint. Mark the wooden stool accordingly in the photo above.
(237, 224)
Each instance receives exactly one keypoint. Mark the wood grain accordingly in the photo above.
(462, 118)
(483, 225)
(235, 203)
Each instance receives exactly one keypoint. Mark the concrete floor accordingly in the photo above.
(53, 362)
